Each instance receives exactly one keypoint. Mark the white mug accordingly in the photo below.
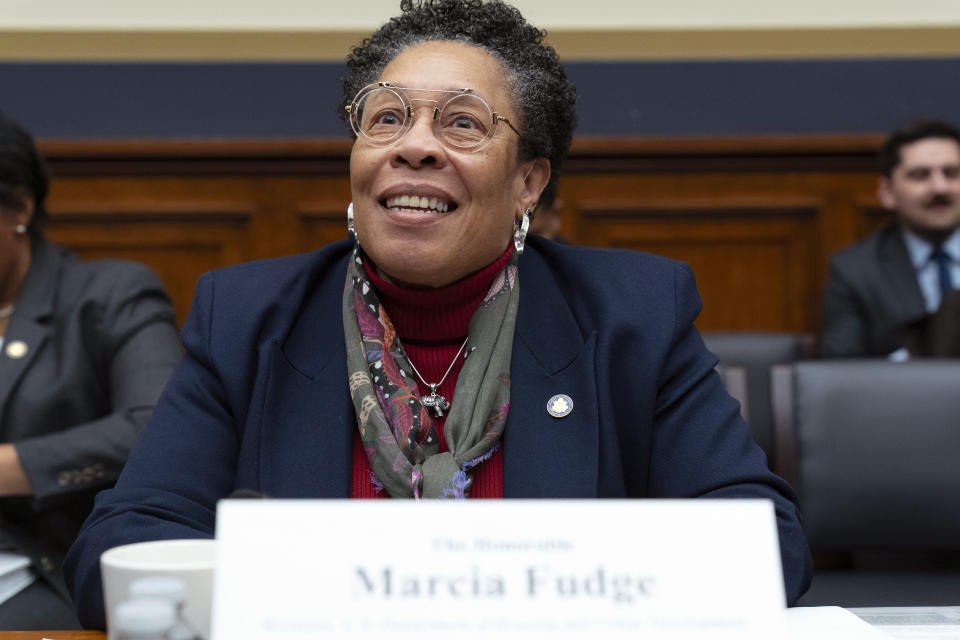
(192, 561)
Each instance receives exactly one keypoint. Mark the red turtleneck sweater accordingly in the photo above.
(432, 324)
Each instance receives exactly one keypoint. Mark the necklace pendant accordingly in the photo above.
(436, 402)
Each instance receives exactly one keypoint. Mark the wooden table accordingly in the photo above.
(53, 635)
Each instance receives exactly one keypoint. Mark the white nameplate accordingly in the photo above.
(400, 569)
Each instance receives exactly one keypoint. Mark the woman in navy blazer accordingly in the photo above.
(603, 388)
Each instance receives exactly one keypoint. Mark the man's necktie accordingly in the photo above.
(940, 257)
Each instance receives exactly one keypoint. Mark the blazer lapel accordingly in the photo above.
(901, 277)
(546, 456)
(29, 327)
(319, 414)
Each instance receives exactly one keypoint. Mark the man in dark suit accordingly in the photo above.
(886, 285)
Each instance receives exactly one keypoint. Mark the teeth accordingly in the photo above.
(417, 202)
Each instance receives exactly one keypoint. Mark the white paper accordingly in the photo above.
(828, 623)
(914, 623)
(10, 562)
(15, 574)
(675, 569)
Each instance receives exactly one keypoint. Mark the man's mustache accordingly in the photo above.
(939, 200)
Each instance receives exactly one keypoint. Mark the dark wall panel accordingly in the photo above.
(173, 100)
(777, 97)
(616, 98)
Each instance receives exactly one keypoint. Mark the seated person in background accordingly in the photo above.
(429, 358)
(881, 287)
(85, 349)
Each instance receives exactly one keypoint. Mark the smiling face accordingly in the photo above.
(924, 188)
(429, 215)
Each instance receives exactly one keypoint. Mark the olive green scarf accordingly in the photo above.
(396, 429)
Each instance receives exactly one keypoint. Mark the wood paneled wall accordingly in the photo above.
(756, 218)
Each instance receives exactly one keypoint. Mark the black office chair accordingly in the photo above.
(751, 354)
(873, 451)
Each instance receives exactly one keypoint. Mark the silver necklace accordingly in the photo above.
(435, 401)
(6, 312)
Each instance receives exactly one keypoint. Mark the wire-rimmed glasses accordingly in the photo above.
(382, 113)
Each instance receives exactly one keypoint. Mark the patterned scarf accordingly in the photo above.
(398, 434)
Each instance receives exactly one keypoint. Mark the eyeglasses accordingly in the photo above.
(382, 113)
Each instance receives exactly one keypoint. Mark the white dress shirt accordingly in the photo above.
(926, 269)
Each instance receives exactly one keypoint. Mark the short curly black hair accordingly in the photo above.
(910, 133)
(544, 95)
(22, 169)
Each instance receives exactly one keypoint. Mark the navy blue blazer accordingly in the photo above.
(260, 402)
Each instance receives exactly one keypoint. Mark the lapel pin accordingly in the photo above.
(17, 349)
(560, 405)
